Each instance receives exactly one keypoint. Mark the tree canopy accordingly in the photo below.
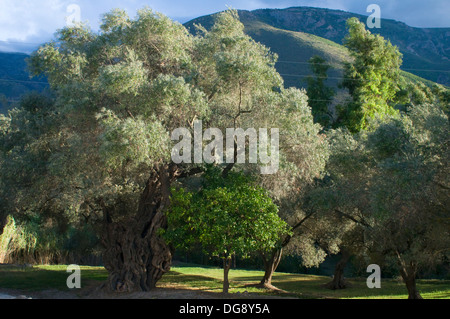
(227, 216)
(371, 78)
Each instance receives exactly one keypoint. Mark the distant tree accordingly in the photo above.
(319, 95)
(393, 183)
(371, 77)
(410, 191)
(340, 201)
(228, 216)
(419, 93)
(442, 95)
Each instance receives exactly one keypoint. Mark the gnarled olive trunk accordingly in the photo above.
(135, 255)
(339, 281)
(410, 281)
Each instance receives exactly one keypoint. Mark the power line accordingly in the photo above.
(404, 69)
(325, 77)
(17, 42)
(293, 62)
(23, 81)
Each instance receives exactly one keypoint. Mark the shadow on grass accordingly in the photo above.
(210, 280)
(45, 277)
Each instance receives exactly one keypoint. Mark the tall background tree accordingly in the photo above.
(371, 78)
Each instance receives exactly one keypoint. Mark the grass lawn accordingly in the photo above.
(209, 279)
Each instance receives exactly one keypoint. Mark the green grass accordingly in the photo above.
(46, 277)
(302, 286)
(209, 279)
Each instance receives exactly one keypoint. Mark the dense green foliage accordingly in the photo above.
(371, 78)
(228, 216)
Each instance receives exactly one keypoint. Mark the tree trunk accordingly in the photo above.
(272, 261)
(226, 270)
(410, 282)
(135, 255)
(338, 281)
(270, 265)
(408, 273)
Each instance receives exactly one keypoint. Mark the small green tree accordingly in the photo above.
(319, 95)
(371, 77)
(229, 216)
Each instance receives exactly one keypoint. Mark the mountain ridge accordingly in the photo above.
(425, 50)
(295, 34)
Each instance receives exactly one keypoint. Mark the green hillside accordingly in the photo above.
(15, 79)
(426, 51)
(295, 34)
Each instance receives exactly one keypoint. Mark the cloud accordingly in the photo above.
(21, 19)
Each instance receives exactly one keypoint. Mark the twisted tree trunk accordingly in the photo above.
(3, 219)
(271, 263)
(339, 281)
(135, 255)
(408, 272)
(410, 281)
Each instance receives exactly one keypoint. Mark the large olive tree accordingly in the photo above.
(119, 94)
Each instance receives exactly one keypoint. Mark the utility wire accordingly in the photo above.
(292, 62)
(23, 81)
(318, 63)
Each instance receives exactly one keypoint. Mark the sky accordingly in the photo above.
(24, 24)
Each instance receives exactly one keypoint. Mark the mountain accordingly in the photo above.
(297, 33)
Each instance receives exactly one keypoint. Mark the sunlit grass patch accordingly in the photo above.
(209, 279)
